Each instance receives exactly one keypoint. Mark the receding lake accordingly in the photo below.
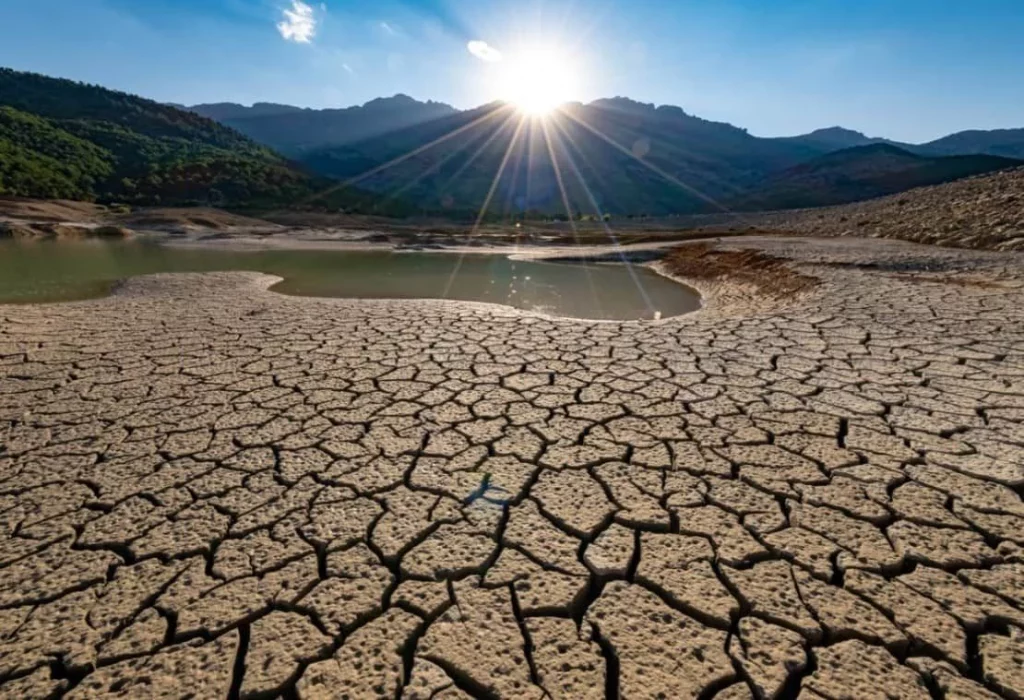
(47, 271)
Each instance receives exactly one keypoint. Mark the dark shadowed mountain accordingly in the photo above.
(998, 142)
(614, 155)
(835, 138)
(1008, 143)
(62, 139)
(863, 172)
(620, 156)
(397, 155)
(292, 130)
(224, 111)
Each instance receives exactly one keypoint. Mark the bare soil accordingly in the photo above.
(207, 218)
(54, 210)
(769, 275)
(213, 490)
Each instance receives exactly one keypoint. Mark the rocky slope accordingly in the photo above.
(978, 212)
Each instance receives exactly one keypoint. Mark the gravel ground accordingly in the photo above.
(983, 212)
(211, 490)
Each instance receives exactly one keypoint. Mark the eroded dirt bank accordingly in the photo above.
(211, 489)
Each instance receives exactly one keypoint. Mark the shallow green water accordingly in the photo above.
(48, 271)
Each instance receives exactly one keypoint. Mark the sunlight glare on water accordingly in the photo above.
(55, 271)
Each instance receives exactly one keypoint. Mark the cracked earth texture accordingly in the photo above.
(210, 490)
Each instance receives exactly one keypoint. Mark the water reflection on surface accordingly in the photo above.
(43, 271)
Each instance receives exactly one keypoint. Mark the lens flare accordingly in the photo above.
(537, 80)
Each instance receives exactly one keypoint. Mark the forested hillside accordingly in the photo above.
(62, 139)
(38, 159)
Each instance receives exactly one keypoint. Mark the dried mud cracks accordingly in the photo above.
(210, 490)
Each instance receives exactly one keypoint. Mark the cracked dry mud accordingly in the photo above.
(211, 490)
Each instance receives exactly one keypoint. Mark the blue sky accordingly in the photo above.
(906, 69)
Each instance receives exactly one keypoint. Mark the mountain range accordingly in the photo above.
(1008, 143)
(397, 156)
(293, 130)
(612, 155)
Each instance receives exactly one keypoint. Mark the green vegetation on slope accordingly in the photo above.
(38, 159)
(62, 139)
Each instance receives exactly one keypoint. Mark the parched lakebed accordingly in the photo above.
(45, 271)
(210, 490)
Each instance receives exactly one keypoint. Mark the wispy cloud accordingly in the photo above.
(388, 28)
(484, 51)
(298, 23)
(348, 68)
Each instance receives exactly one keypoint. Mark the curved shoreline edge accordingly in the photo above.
(641, 258)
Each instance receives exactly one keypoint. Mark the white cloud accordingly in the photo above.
(348, 68)
(388, 28)
(299, 23)
(484, 51)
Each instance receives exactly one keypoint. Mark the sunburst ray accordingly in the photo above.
(568, 209)
(650, 166)
(437, 166)
(609, 232)
(416, 151)
(486, 204)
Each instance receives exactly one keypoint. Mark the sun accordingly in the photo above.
(537, 80)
